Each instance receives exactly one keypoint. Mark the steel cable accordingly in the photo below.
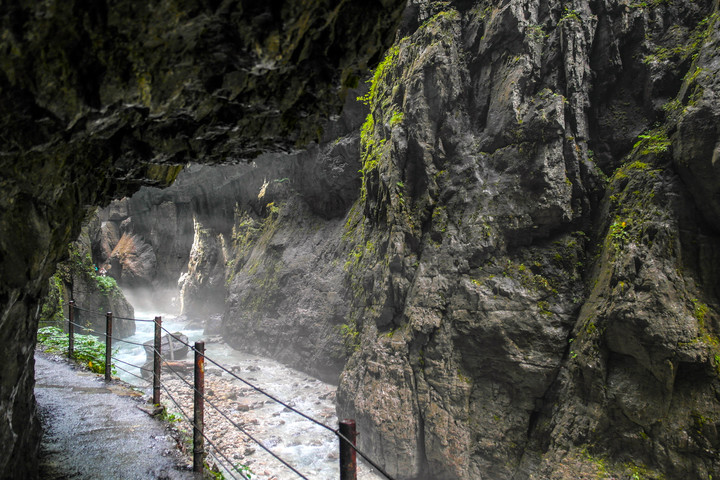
(363, 455)
(178, 338)
(128, 341)
(88, 331)
(316, 422)
(104, 334)
(130, 373)
(99, 314)
(260, 444)
(133, 319)
(239, 427)
(131, 365)
(230, 471)
(271, 397)
(223, 455)
(187, 419)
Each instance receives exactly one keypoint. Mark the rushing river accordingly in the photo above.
(309, 448)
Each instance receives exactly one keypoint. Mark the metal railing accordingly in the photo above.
(346, 432)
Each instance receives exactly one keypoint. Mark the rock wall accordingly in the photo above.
(520, 282)
(99, 98)
(534, 246)
(286, 296)
(265, 248)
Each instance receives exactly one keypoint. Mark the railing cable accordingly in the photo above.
(273, 398)
(259, 443)
(187, 419)
(132, 365)
(128, 341)
(177, 338)
(101, 314)
(134, 319)
(131, 373)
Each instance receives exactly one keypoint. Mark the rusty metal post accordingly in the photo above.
(157, 361)
(348, 457)
(71, 329)
(108, 346)
(199, 407)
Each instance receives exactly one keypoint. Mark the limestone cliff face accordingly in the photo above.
(99, 98)
(523, 284)
(518, 313)
(521, 281)
(94, 294)
(286, 295)
(78, 278)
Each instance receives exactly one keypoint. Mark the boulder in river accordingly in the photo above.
(173, 346)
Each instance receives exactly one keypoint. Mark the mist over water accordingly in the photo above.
(309, 448)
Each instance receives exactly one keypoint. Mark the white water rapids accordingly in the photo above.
(309, 448)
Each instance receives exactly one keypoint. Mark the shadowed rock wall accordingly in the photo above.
(534, 251)
(99, 98)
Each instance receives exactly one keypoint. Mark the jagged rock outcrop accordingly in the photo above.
(203, 228)
(267, 236)
(98, 98)
(286, 297)
(132, 261)
(525, 284)
(94, 294)
(202, 287)
(516, 314)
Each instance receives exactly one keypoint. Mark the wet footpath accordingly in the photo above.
(96, 430)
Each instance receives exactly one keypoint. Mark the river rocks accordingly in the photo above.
(309, 448)
(173, 346)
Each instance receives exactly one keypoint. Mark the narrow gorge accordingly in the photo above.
(493, 224)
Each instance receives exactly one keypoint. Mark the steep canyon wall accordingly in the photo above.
(535, 246)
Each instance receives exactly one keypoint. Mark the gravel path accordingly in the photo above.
(95, 430)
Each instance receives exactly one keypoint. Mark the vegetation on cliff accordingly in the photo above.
(79, 278)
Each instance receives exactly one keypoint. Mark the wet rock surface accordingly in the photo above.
(235, 412)
(92, 429)
(521, 281)
(519, 312)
